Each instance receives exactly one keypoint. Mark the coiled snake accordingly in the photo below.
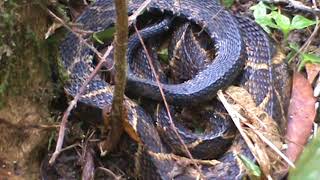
(241, 46)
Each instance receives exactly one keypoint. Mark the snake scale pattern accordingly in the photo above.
(243, 51)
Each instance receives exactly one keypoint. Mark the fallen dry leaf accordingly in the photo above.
(312, 71)
(301, 115)
(260, 124)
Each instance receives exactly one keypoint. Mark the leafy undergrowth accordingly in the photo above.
(302, 111)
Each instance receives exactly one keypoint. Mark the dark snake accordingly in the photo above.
(239, 42)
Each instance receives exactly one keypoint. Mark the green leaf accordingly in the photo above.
(104, 35)
(265, 28)
(300, 22)
(51, 138)
(199, 130)
(262, 18)
(267, 21)
(272, 7)
(311, 58)
(307, 166)
(305, 57)
(283, 22)
(227, 3)
(163, 54)
(290, 55)
(250, 165)
(96, 38)
(301, 65)
(259, 10)
(294, 47)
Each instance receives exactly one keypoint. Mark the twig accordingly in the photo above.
(121, 44)
(163, 156)
(314, 4)
(142, 7)
(78, 35)
(114, 176)
(165, 101)
(272, 146)
(84, 85)
(70, 147)
(237, 118)
(308, 42)
(297, 5)
(88, 164)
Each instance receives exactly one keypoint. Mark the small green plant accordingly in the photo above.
(274, 19)
(103, 36)
(227, 3)
(51, 140)
(304, 57)
(164, 56)
(253, 169)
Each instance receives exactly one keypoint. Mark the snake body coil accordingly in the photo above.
(223, 30)
(238, 42)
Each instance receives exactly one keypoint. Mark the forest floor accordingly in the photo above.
(80, 158)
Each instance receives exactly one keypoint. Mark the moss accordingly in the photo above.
(24, 64)
(7, 21)
(63, 73)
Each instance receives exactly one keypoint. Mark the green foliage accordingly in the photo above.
(307, 166)
(4, 83)
(274, 19)
(300, 22)
(253, 169)
(163, 54)
(304, 57)
(3, 87)
(103, 36)
(63, 73)
(7, 20)
(261, 16)
(18, 44)
(51, 140)
(227, 3)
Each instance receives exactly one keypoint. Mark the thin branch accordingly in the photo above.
(142, 7)
(88, 166)
(308, 42)
(271, 145)
(121, 44)
(237, 118)
(297, 5)
(110, 173)
(77, 34)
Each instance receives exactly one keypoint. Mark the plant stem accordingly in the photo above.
(121, 39)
